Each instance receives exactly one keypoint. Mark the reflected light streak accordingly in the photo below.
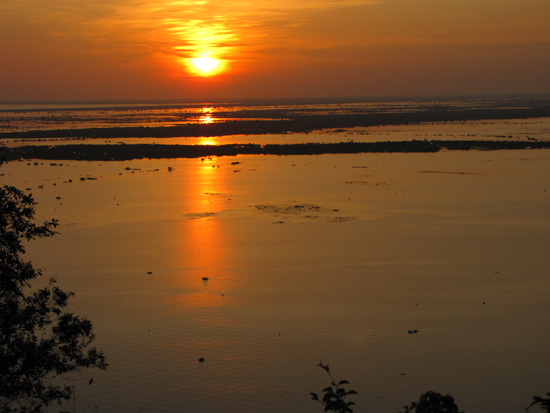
(206, 119)
(204, 245)
(207, 140)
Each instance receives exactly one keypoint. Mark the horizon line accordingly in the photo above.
(271, 100)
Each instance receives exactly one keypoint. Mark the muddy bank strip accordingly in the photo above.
(122, 152)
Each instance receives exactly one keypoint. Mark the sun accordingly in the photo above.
(205, 66)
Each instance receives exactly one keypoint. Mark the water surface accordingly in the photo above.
(329, 258)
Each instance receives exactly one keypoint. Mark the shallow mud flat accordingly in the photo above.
(266, 265)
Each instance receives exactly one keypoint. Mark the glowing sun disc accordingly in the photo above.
(205, 65)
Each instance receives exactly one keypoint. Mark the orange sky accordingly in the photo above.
(139, 49)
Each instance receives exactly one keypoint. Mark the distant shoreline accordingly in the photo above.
(282, 122)
(125, 152)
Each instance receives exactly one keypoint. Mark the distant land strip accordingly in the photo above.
(123, 152)
(288, 123)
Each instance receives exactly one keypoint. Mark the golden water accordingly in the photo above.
(308, 258)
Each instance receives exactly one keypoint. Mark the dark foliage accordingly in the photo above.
(542, 403)
(334, 398)
(40, 340)
(433, 402)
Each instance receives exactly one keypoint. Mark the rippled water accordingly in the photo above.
(309, 258)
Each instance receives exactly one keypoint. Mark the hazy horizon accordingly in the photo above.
(298, 100)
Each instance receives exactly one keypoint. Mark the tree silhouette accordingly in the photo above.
(40, 340)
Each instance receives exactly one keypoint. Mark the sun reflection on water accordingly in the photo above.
(207, 140)
(206, 119)
(204, 242)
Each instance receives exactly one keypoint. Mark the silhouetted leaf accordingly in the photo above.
(334, 397)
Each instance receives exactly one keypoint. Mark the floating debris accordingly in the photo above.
(199, 215)
(367, 183)
(304, 211)
(448, 172)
